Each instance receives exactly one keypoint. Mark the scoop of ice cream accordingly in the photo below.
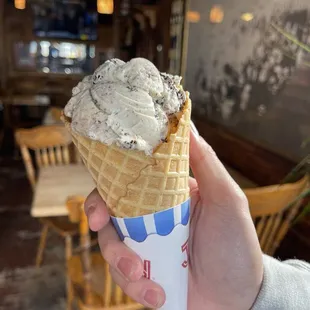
(125, 103)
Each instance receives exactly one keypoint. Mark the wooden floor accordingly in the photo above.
(19, 235)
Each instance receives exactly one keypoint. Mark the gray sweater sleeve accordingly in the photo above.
(286, 286)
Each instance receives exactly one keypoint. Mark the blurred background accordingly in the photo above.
(246, 64)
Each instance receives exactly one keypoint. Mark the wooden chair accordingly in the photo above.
(273, 209)
(56, 113)
(53, 116)
(89, 280)
(50, 145)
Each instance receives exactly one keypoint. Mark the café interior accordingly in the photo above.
(246, 65)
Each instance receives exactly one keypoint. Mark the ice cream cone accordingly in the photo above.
(134, 184)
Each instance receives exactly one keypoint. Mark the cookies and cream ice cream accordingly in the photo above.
(128, 104)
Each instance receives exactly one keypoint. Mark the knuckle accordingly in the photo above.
(108, 249)
(206, 153)
(123, 284)
(207, 150)
(237, 195)
(134, 291)
(126, 289)
(240, 198)
(203, 153)
(90, 198)
(93, 198)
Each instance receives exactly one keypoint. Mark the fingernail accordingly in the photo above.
(194, 129)
(125, 267)
(153, 298)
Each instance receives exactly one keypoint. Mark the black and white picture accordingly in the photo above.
(252, 74)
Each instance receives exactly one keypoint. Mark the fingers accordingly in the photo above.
(96, 211)
(125, 265)
(214, 182)
(127, 269)
(144, 291)
(118, 255)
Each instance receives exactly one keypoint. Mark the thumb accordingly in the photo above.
(214, 182)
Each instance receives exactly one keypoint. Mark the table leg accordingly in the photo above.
(70, 295)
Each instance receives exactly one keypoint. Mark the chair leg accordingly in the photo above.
(70, 295)
(42, 245)
(68, 247)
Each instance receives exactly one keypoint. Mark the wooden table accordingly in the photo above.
(54, 186)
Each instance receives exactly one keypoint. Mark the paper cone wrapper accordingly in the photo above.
(161, 240)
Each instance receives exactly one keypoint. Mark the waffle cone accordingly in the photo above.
(132, 183)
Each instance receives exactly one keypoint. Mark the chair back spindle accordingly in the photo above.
(273, 210)
(50, 145)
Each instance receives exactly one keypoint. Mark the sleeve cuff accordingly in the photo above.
(286, 285)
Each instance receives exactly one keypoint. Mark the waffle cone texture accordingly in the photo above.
(134, 184)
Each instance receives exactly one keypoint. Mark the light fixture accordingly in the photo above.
(20, 4)
(46, 69)
(247, 17)
(216, 14)
(193, 16)
(105, 6)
